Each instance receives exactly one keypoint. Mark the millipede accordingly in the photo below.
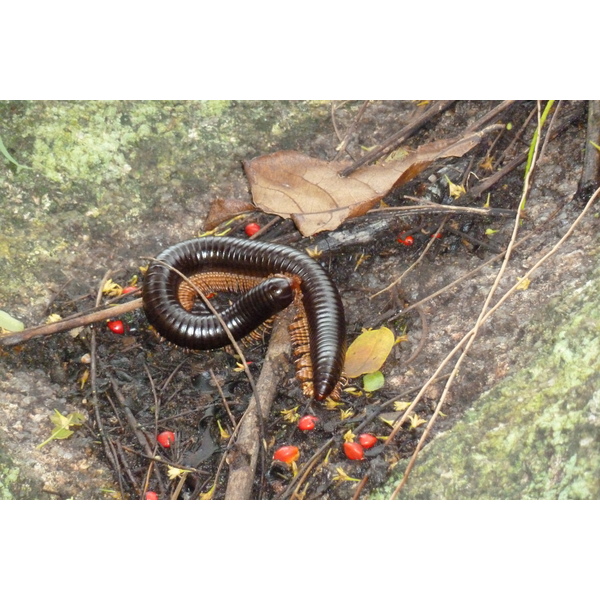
(269, 278)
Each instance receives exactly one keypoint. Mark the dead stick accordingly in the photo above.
(69, 323)
(591, 163)
(492, 114)
(395, 140)
(447, 209)
(247, 446)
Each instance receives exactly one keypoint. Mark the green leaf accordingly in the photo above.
(10, 323)
(373, 381)
(4, 151)
(63, 424)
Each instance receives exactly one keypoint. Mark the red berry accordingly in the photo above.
(437, 236)
(165, 439)
(408, 240)
(151, 496)
(129, 289)
(287, 454)
(307, 423)
(251, 229)
(354, 451)
(116, 327)
(367, 440)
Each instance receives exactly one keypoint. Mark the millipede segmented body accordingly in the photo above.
(204, 331)
(318, 331)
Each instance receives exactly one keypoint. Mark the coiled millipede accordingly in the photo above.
(269, 277)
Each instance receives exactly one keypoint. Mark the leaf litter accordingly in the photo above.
(311, 192)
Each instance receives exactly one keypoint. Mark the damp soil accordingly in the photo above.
(143, 177)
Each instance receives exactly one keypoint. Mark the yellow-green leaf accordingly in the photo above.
(368, 352)
(10, 323)
(373, 381)
(63, 424)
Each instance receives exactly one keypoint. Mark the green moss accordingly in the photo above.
(13, 486)
(537, 434)
(103, 169)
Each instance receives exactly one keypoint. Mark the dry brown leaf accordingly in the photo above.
(310, 191)
(222, 209)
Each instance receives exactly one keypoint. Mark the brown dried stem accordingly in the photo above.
(71, 322)
(247, 446)
(399, 137)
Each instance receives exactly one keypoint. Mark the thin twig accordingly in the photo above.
(422, 341)
(414, 264)
(123, 460)
(333, 108)
(448, 209)
(69, 323)
(549, 130)
(301, 476)
(106, 444)
(265, 228)
(489, 116)
(591, 162)
(155, 397)
(360, 487)
(517, 137)
(343, 143)
(223, 399)
(399, 137)
(133, 424)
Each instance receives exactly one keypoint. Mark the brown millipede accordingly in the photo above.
(318, 332)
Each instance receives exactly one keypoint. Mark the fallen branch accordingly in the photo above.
(247, 446)
(69, 323)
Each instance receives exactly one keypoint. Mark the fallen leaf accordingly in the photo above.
(311, 192)
(368, 352)
(63, 423)
(10, 323)
(223, 209)
(373, 381)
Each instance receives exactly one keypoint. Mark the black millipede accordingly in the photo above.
(228, 264)
(205, 332)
